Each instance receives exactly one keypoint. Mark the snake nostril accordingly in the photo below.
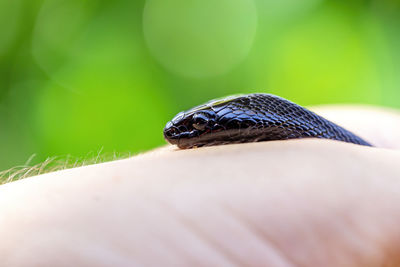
(170, 132)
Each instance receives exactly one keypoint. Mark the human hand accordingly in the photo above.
(284, 203)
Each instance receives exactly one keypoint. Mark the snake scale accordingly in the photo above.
(251, 118)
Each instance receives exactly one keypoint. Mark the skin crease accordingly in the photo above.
(283, 203)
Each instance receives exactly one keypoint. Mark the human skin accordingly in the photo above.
(284, 203)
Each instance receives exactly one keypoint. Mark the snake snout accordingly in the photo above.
(171, 133)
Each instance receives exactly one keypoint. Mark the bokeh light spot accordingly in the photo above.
(200, 38)
(324, 58)
(59, 27)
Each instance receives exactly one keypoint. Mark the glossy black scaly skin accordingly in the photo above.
(251, 118)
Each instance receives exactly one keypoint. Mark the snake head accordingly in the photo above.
(188, 126)
(216, 122)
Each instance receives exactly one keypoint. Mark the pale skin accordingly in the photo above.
(284, 203)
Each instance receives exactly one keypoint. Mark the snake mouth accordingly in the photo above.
(179, 135)
(194, 139)
(185, 140)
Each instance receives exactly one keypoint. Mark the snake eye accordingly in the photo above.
(200, 122)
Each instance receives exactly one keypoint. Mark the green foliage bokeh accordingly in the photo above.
(80, 76)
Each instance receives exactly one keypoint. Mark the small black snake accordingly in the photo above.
(251, 118)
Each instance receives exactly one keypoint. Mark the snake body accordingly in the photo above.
(251, 118)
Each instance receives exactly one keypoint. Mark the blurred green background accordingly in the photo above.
(80, 76)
